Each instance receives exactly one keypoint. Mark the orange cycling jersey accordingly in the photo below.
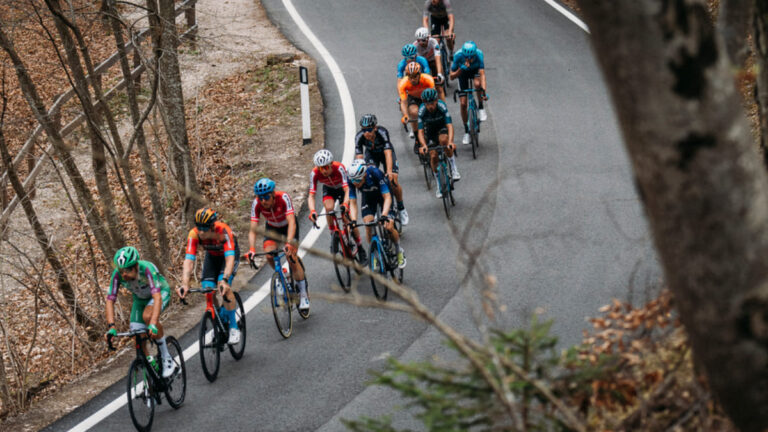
(222, 244)
(405, 88)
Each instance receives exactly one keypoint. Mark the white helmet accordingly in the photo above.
(422, 33)
(323, 157)
(357, 170)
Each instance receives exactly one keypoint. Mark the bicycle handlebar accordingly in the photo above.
(472, 90)
(124, 334)
(201, 291)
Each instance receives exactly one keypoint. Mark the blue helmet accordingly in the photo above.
(469, 49)
(264, 186)
(429, 95)
(409, 50)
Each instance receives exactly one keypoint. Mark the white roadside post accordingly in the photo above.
(305, 125)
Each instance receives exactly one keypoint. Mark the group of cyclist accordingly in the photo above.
(368, 187)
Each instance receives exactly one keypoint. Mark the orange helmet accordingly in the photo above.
(412, 69)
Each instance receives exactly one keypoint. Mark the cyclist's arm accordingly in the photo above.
(425, 21)
(449, 126)
(189, 258)
(422, 138)
(483, 83)
(110, 311)
(312, 189)
(291, 218)
(450, 23)
(157, 307)
(252, 235)
(229, 254)
(387, 203)
(388, 159)
(404, 106)
(229, 267)
(186, 273)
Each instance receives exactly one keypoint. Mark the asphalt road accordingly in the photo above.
(549, 204)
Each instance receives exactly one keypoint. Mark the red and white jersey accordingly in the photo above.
(337, 179)
(277, 215)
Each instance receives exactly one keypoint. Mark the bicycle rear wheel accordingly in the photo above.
(446, 66)
(238, 349)
(141, 401)
(209, 347)
(473, 132)
(303, 313)
(281, 306)
(343, 273)
(176, 385)
(442, 176)
(377, 266)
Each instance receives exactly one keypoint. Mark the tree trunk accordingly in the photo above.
(162, 15)
(761, 59)
(41, 114)
(138, 124)
(733, 24)
(93, 120)
(45, 244)
(704, 190)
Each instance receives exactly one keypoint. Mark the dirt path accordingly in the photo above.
(238, 53)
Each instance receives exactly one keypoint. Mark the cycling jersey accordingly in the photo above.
(148, 282)
(476, 63)
(441, 10)
(375, 183)
(433, 121)
(223, 244)
(277, 215)
(337, 179)
(430, 51)
(380, 142)
(405, 88)
(404, 62)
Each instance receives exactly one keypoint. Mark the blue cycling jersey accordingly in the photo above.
(375, 183)
(433, 121)
(421, 60)
(476, 62)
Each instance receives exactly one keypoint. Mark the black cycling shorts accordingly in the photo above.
(336, 194)
(414, 101)
(279, 231)
(465, 76)
(214, 265)
(379, 160)
(374, 201)
(433, 135)
(438, 24)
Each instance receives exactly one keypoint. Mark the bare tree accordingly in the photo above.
(701, 183)
(760, 33)
(734, 24)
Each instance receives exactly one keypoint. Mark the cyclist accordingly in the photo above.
(333, 176)
(435, 127)
(428, 48)
(277, 208)
(151, 295)
(468, 64)
(410, 54)
(373, 145)
(220, 264)
(441, 14)
(410, 89)
(374, 193)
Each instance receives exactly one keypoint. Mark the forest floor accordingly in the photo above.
(241, 90)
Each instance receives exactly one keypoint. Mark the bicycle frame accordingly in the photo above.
(344, 233)
(277, 259)
(157, 381)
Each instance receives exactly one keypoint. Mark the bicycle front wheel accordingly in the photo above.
(209, 347)
(473, 132)
(442, 177)
(281, 306)
(377, 267)
(238, 349)
(141, 401)
(343, 273)
(176, 385)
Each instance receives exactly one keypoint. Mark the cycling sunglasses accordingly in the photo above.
(368, 129)
(264, 197)
(203, 227)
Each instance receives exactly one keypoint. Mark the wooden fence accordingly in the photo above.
(35, 165)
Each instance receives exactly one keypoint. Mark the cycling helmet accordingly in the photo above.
(409, 51)
(368, 120)
(469, 49)
(357, 170)
(429, 95)
(126, 257)
(263, 186)
(205, 217)
(323, 157)
(422, 33)
(412, 69)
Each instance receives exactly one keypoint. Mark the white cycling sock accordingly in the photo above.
(163, 347)
(452, 160)
(302, 287)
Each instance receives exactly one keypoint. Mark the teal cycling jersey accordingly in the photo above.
(433, 121)
(475, 63)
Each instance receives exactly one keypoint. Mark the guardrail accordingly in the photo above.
(187, 7)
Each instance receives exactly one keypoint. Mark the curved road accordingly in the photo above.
(563, 232)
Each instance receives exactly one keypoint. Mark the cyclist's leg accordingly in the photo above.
(413, 111)
(165, 295)
(230, 305)
(137, 317)
(368, 211)
(330, 196)
(478, 86)
(296, 271)
(464, 85)
(270, 244)
(449, 153)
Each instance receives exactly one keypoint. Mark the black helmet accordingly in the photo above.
(367, 120)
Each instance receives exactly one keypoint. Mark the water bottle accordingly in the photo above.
(153, 363)
(287, 276)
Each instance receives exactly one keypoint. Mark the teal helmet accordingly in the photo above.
(469, 49)
(429, 95)
(126, 257)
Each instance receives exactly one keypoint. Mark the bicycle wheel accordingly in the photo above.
(377, 267)
(442, 177)
(209, 347)
(473, 131)
(303, 313)
(343, 273)
(444, 60)
(238, 349)
(141, 401)
(427, 171)
(176, 385)
(281, 306)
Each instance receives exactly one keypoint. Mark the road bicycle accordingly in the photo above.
(444, 177)
(342, 247)
(284, 292)
(214, 333)
(472, 115)
(145, 382)
(444, 61)
(427, 168)
(382, 258)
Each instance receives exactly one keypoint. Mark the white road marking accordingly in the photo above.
(568, 14)
(308, 241)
